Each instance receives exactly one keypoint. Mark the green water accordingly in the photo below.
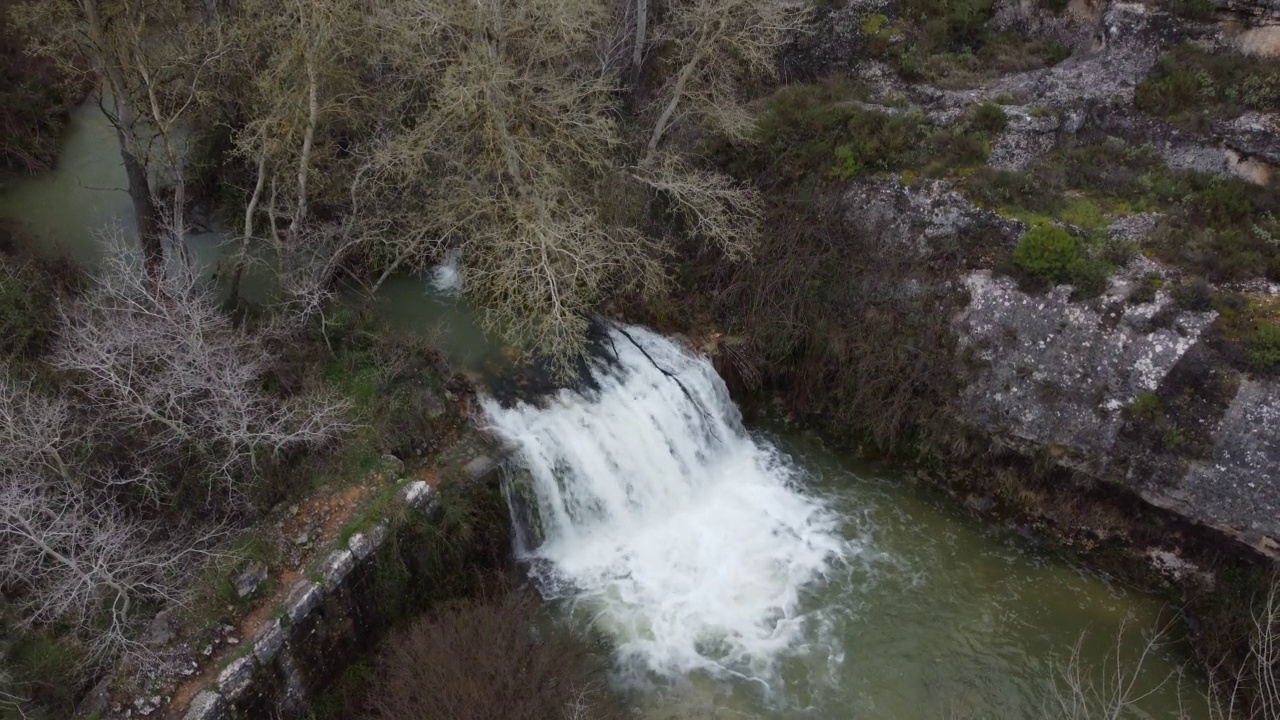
(944, 617)
(939, 616)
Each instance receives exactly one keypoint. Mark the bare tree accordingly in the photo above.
(713, 47)
(148, 56)
(165, 367)
(509, 158)
(1252, 690)
(65, 556)
(302, 62)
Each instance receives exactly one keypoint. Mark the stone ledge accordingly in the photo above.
(208, 705)
(274, 671)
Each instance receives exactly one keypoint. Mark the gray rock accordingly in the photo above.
(268, 641)
(417, 494)
(250, 579)
(1055, 372)
(235, 678)
(1238, 489)
(303, 598)
(336, 567)
(162, 629)
(1025, 141)
(393, 464)
(361, 545)
(208, 705)
(479, 467)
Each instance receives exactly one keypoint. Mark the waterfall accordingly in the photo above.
(690, 542)
(446, 278)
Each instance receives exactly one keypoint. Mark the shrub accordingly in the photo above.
(1194, 295)
(1191, 86)
(483, 659)
(1046, 254)
(1264, 347)
(1193, 9)
(1146, 290)
(988, 118)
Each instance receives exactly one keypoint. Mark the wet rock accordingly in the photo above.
(479, 467)
(250, 579)
(416, 494)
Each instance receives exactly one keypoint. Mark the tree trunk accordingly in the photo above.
(144, 210)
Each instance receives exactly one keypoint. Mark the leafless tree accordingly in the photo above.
(1252, 690)
(149, 56)
(66, 555)
(713, 47)
(508, 159)
(301, 59)
(164, 366)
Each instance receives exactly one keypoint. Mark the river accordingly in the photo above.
(741, 572)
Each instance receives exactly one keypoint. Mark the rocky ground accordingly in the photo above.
(1134, 385)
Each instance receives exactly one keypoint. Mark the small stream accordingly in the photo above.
(738, 572)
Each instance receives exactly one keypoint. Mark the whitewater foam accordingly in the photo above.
(691, 542)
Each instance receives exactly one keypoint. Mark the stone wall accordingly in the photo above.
(328, 619)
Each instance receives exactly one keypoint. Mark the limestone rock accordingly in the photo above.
(208, 705)
(303, 598)
(236, 677)
(1056, 372)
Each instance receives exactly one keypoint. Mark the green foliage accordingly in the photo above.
(1193, 9)
(1264, 347)
(1146, 290)
(950, 43)
(988, 118)
(1224, 229)
(1046, 254)
(35, 97)
(1193, 87)
(1146, 406)
(810, 134)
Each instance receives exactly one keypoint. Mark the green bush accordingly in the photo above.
(1193, 9)
(1264, 347)
(1192, 87)
(988, 118)
(950, 43)
(1047, 253)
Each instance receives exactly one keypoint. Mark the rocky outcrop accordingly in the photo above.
(1044, 373)
(1058, 373)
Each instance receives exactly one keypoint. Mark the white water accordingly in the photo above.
(446, 278)
(690, 541)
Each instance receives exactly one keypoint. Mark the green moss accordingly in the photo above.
(1193, 87)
